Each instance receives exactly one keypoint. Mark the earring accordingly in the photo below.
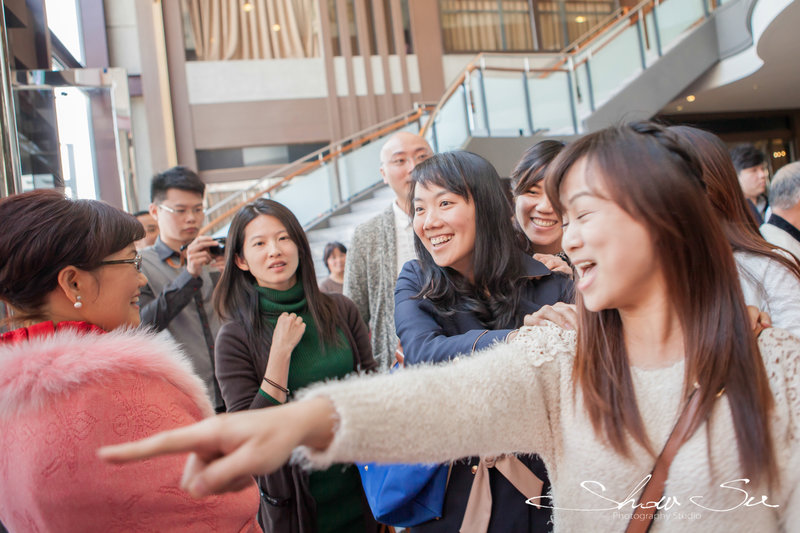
(78, 304)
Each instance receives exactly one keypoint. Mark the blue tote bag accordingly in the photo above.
(404, 494)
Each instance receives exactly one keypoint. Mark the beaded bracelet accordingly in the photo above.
(282, 389)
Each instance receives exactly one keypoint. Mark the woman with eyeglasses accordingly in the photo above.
(75, 375)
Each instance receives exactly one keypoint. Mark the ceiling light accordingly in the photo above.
(247, 7)
(679, 108)
(276, 27)
(580, 19)
(690, 98)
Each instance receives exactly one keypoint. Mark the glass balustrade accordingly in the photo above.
(499, 95)
(505, 103)
(675, 17)
(550, 102)
(451, 127)
(615, 63)
(310, 195)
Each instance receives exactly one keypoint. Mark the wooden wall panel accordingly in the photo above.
(426, 35)
(179, 89)
(260, 123)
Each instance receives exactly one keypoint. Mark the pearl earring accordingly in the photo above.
(78, 304)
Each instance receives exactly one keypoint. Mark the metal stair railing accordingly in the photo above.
(323, 181)
(521, 94)
(496, 95)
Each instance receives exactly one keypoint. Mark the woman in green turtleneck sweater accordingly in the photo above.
(283, 334)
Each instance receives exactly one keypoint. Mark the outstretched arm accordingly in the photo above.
(228, 449)
(502, 400)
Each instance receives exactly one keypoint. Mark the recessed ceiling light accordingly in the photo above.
(690, 98)
(580, 19)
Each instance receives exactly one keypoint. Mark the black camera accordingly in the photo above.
(219, 249)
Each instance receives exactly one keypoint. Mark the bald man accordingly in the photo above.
(383, 244)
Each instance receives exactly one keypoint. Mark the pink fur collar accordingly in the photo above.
(32, 372)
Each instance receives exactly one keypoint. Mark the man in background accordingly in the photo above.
(751, 169)
(783, 226)
(383, 244)
(150, 229)
(180, 278)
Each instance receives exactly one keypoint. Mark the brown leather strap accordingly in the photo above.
(642, 517)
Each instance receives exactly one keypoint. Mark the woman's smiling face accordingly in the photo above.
(537, 219)
(613, 253)
(445, 223)
(114, 301)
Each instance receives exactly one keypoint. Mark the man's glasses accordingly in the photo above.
(136, 262)
(196, 211)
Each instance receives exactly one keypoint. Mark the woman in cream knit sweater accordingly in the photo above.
(660, 310)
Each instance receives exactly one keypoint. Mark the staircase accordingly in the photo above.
(627, 68)
(340, 227)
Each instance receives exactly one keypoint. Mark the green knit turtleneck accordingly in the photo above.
(335, 490)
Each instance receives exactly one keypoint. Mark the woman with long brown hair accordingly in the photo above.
(282, 333)
(770, 276)
(662, 325)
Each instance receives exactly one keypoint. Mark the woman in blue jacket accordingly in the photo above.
(471, 286)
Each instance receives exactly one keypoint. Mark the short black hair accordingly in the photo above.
(329, 248)
(175, 178)
(137, 214)
(746, 156)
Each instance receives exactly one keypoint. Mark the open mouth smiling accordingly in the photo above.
(440, 239)
(543, 223)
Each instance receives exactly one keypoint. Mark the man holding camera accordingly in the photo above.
(181, 272)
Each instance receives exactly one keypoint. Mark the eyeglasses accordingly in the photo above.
(136, 262)
(196, 211)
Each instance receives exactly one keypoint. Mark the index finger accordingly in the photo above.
(186, 439)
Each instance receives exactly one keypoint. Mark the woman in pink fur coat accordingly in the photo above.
(77, 376)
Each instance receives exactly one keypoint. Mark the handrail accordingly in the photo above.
(448, 93)
(356, 139)
(573, 56)
(317, 159)
(576, 55)
(595, 30)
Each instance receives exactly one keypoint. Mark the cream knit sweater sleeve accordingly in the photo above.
(497, 401)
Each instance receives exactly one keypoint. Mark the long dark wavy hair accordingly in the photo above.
(653, 175)
(727, 199)
(236, 296)
(494, 297)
